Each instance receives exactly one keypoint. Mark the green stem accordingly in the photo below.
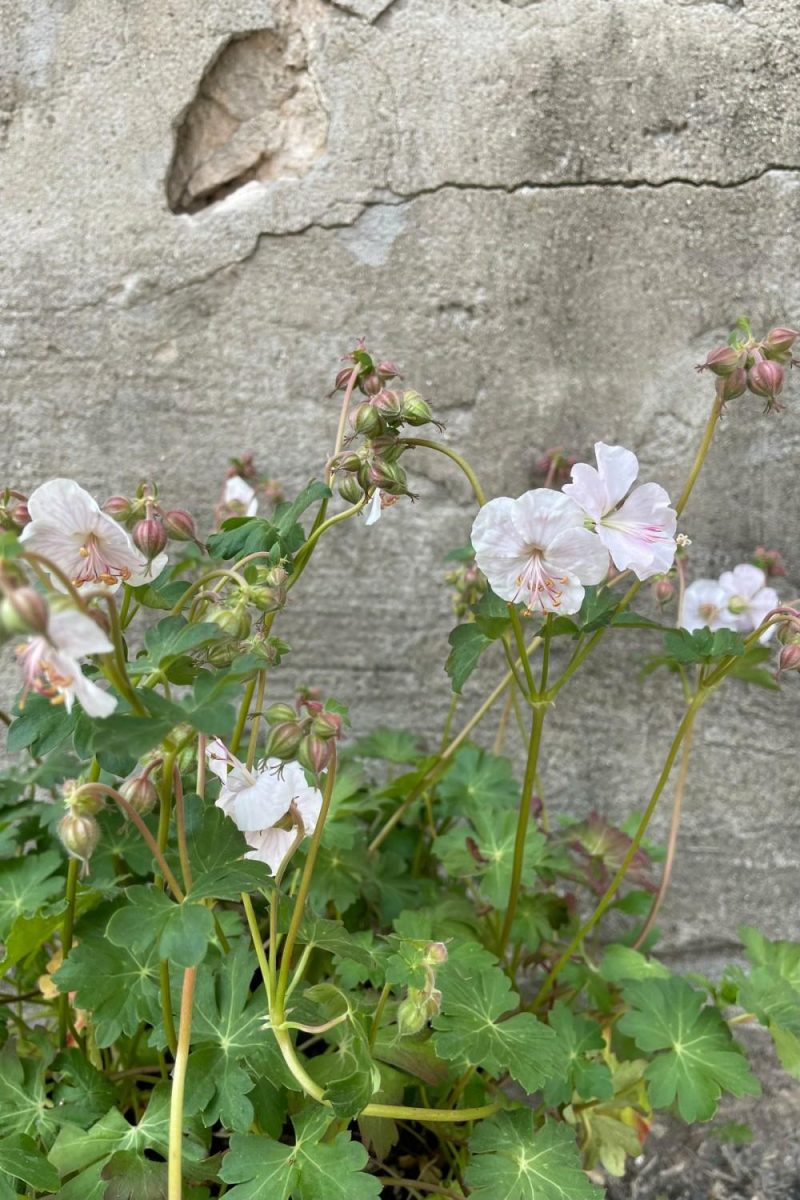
(607, 897)
(519, 638)
(253, 743)
(180, 826)
(165, 799)
(528, 783)
(700, 457)
(71, 891)
(174, 1168)
(303, 890)
(460, 462)
(166, 1007)
(152, 844)
(258, 946)
(305, 551)
(377, 1016)
(244, 712)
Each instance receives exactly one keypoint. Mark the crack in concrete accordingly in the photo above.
(393, 198)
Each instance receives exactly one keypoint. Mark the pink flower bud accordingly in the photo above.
(789, 659)
(119, 507)
(370, 384)
(23, 610)
(140, 792)
(79, 833)
(778, 341)
(180, 525)
(663, 590)
(314, 753)
(389, 403)
(272, 491)
(722, 361)
(387, 370)
(150, 536)
(342, 379)
(19, 514)
(765, 378)
(732, 385)
(366, 420)
(770, 561)
(327, 725)
(436, 953)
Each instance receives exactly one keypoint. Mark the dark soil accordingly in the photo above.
(714, 1161)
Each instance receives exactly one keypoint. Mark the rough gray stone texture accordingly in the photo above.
(547, 212)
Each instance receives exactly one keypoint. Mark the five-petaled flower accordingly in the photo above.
(69, 529)
(50, 662)
(738, 600)
(239, 497)
(272, 804)
(638, 532)
(537, 550)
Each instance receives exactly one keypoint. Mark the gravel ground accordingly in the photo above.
(707, 1162)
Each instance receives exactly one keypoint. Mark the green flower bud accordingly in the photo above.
(276, 713)
(234, 621)
(79, 833)
(140, 792)
(411, 1013)
(350, 490)
(415, 410)
(284, 740)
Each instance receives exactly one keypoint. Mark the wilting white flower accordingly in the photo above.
(747, 596)
(50, 662)
(239, 495)
(638, 532)
(257, 800)
(372, 511)
(706, 604)
(537, 549)
(69, 528)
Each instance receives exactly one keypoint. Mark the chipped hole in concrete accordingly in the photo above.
(257, 114)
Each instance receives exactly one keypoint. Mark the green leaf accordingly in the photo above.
(772, 992)
(41, 726)
(228, 1031)
(116, 984)
(28, 934)
(622, 962)
(20, 1158)
(26, 884)
(83, 1093)
(240, 536)
(513, 1162)
(631, 620)
(171, 639)
(484, 851)
(750, 668)
(597, 609)
(700, 1059)
(702, 646)
(578, 1039)
(391, 745)
(286, 515)
(469, 1029)
(477, 781)
(24, 1106)
(131, 1176)
(180, 933)
(467, 645)
(309, 1170)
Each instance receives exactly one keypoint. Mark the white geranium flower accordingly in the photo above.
(50, 662)
(705, 603)
(373, 510)
(68, 527)
(638, 532)
(748, 599)
(537, 549)
(239, 495)
(257, 800)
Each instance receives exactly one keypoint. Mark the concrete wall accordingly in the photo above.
(546, 211)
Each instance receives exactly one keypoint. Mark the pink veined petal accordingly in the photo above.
(618, 469)
(56, 544)
(541, 514)
(499, 549)
(270, 846)
(581, 553)
(587, 491)
(63, 503)
(116, 544)
(565, 600)
(76, 635)
(640, 535)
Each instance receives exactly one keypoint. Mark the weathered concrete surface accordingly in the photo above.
(546, 211)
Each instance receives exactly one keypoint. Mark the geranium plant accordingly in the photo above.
(252, 951)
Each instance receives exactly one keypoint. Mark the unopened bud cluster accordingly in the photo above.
(468, 584)
(306, 731)
(378, 420)
(746, 364)
(14, 514)
(78, 828)
(555, 467)
(420, 1004)
(266, 593)
(151, 524)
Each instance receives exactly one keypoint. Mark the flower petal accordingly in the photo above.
(62, 503)
(587, 491)
(618, 469)
(372, 511)
(76, 635)
(745, 580)
(239, 491)
(640, 536)
(270, 846)
(95, 701)
(581, 553)
(541, 514)
(707, 595)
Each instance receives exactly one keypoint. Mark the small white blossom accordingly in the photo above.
(258, 800)
(705, 605)
(748, 598)
(638, 532)
(536, 549)
(239, 495)
(69, 528)
(50, 662)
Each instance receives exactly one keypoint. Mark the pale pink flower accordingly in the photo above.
(748, 598)
(50, 662)
(257, 800)
(705, 604)
(69, 528)
(638, 532)
(537, 550)
(239, 497)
